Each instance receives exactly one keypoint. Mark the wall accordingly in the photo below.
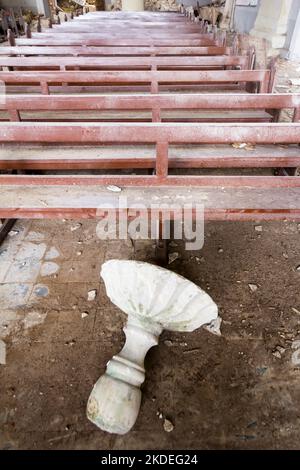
(37, 6)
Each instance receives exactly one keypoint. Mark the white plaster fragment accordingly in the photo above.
(296, 358)
(168, 425)
(295, 81)
(92, 295)
(13, 233)
(76, 227)
(253, 287)
(295, 310)
(215, 327)
(114, 189)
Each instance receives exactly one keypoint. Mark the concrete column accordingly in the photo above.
(272, 21)
(294, 52)
(43, 7)
(133, 5)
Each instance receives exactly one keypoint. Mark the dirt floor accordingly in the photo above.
(239, 390)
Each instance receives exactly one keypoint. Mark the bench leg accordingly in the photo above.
(5, 228)
(162, 247)
(288, 171)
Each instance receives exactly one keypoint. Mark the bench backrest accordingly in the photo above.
(115, 51)
(236, 78)
(160, 135)
(107, 41)
(96, 63)
(154, 103)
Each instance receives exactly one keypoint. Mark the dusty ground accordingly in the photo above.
(239, 391)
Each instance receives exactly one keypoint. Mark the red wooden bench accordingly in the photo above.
(86, 40)
(158, 108)
(126, 63)
(59, 51)
(237, 196)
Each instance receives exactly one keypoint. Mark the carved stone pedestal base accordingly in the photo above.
(154, 299)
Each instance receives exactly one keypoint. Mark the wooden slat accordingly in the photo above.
(83, 202)
(84, 41)
(170, 101)
(117, 77)
(118, 62)
(114, 51)
(130, 157)
(152, 181)
(149, 133)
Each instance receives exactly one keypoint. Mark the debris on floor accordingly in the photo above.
(278, 352)
(92, 295)
(296, 353)
(253, 287)
(114, 189)
(168, 425)
(215, 327)
(76, 227)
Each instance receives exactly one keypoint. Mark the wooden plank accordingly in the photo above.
(78, 133)
(114, 51)
(82, 202)
(85, 41)
(142, 102)
(120, 62)
(117, 77)
(137, 157)
(219, 181)
(181, 115)
(114, 36)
